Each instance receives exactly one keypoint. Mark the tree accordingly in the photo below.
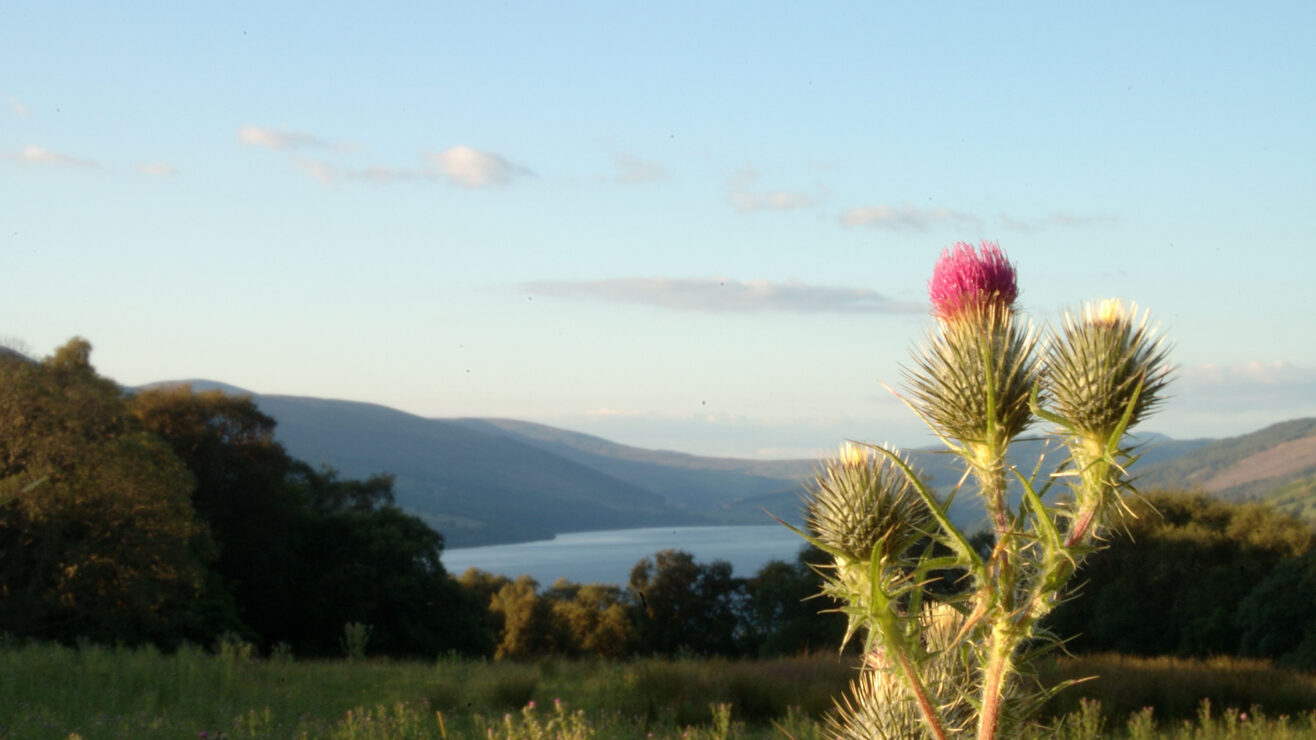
(785, 611)
(98, 537)
(1172, 582)
(304, 552)
(682, 606)
(527, 620)
(243, 494)
(591, 619)
(1277, 620)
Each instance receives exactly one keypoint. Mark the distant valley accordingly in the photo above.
(487, 481)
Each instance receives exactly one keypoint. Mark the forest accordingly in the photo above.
(167, 517)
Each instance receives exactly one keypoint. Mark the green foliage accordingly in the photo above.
(302, 551)
(1277, 619)
(786, 613)
(356, 637)
(687, 608)
(98, 537)
(49, 692)
(592, 619)
(1173, 579)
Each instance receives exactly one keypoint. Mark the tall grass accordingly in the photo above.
(93, 692)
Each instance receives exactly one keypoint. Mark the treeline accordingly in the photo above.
(671, 606)
(168, 515)
(165, 516)
(1194, 576)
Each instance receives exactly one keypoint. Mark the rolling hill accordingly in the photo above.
(1276, 464)
(486, 481)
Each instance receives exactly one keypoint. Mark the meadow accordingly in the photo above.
(92, 692)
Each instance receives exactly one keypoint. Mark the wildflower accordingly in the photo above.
(969, 281)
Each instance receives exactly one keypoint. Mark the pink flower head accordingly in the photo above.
(966, 280)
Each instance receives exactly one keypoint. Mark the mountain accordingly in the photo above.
(486, 481)
(713, 487)
(1276, 464)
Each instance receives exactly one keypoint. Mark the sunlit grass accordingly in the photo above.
(94, 692)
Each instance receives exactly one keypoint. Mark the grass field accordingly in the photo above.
(93, 692)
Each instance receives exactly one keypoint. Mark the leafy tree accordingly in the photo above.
(243, 493)
(1277, 620)
(304, 552)
(98, 537)
(527, 618)
(1173, 581)
(592, 619)
(682, 606)
(362, 560)
(782, 609)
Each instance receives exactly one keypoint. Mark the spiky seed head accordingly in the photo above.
(968, 282)
(1099, 361)
(860, 501)
(948, 384)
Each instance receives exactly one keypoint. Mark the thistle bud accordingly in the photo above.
(974, 373)
(1106, 361)
(860, 501)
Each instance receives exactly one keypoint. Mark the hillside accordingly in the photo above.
(485, 481)
(491, 481)
(1275, 464)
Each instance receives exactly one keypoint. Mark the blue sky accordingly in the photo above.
(696, 226)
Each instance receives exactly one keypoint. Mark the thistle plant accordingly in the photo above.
(950, 656)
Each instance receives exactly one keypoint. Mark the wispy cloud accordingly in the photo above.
(632, 169)
(1251, 380)
(472, 168)
(41, 155)
(907, 218)
(18, 107)
(748, 202)
(157, 169)
(1213, 400)
(747, 198)
(726, 296)
(272, 138)
(1061, 219)
(331, 174)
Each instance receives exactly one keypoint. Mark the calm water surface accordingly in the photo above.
(608, 556)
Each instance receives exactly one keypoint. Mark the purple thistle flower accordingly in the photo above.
(966, 280)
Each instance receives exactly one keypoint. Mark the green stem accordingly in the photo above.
(994, 683)
(925, 706)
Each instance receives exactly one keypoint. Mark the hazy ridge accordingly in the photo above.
(485, 481)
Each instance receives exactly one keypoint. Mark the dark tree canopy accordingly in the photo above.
(98, 536)
(304, 552)
(1173, 582)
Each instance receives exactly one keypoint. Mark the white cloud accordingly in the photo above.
(722, 296)
(41, 155)
(907, 218)
(271, 138)
(1213, 400)
(18, 107)
(1063, 219)
(157, 169)
(472, 168)
(631, 169)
